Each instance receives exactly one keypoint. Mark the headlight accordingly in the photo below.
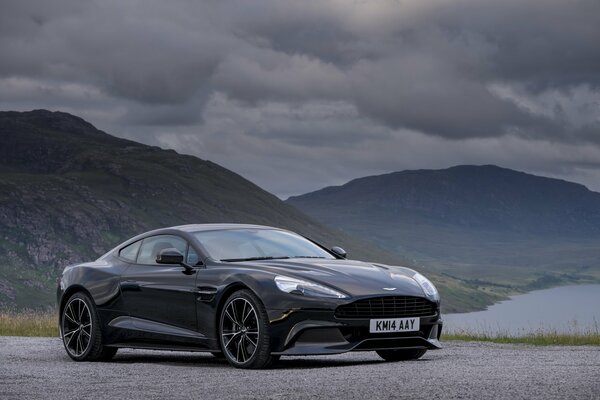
(426, 285)
(298, 286)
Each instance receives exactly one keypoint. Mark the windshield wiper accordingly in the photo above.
(306, 257)
(253, 259)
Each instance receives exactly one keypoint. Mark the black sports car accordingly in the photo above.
(246, 292)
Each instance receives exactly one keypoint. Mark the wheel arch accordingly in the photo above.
(70, 291)
(228, 291)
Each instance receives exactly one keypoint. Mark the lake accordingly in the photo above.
(565, 309)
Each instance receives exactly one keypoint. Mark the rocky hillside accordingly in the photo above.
(69, 192)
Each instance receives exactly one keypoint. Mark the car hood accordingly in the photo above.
(355, 278)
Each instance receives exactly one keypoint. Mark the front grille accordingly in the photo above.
(387, 307)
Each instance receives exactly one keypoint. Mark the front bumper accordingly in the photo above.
(312, 332)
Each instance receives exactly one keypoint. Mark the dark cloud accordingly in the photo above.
(315, 92)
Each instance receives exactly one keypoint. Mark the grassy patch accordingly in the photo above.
(538, 339)
(28, 323)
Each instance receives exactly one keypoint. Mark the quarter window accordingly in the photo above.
(192, 256)
(129, 253)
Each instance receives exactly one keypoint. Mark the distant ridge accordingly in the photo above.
(484, 224)
(480, 197)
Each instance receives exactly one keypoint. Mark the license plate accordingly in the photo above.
(394, 325)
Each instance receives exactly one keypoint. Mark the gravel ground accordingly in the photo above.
(38, 368)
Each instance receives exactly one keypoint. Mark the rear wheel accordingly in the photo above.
(80, 328)
(244, 331)
(401, 355)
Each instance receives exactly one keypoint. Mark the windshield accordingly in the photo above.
(257, 244)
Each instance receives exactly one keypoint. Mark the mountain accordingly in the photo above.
(477, 223)
(70, 192)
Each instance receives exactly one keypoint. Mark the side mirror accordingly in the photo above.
(169, 256)
(338, 251)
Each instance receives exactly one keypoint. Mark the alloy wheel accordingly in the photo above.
(77, 327)
(240, 330)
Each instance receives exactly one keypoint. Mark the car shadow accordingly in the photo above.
(311, 363)
(176, 359)
(208, 361)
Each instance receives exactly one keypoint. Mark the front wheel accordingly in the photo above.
(401, 355)
(80, 328)
(244, 331)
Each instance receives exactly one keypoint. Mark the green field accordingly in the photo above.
(473, 265)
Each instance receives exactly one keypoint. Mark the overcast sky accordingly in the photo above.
(297, 95)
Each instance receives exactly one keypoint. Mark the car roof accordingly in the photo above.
(191, 228)
(217, 227)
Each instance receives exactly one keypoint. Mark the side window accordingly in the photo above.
(129, 253)
(192, 257)
(151, 246)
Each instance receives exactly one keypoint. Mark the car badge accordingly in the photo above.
(389, 288)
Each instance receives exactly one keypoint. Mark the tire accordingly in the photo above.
(81, 332)
(217, 354)
(401, 355)
(244, 332)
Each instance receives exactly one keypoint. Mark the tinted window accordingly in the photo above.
(153, 245)
(238, 244)
(192, 256)
(129, 253)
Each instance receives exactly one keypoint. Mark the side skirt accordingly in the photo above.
(140, 333)
(161, 347)
(138, 324)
